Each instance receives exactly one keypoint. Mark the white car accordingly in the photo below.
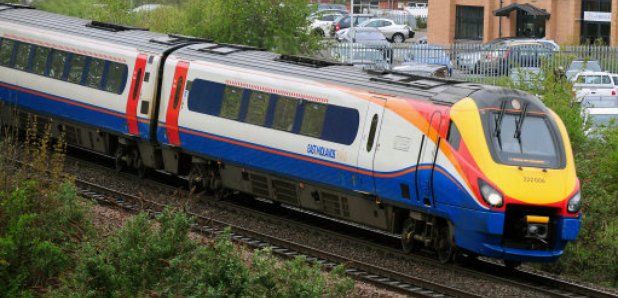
(593, 83)
(393, 32)
(321, 22)
(599, 118)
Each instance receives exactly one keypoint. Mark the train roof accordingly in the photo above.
(397, 84)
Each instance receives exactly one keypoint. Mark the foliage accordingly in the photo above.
(142, 259)
(279, 26)
(421, 23)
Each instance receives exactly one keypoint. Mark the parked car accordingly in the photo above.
(326, 6)
(392, 31)
(580, 65)
(367, 59)
(429, 54)
(513, 54)
(593, 83)
(422, 69)
(371, 38)
(599, 102)
(345, 21)
(598, 118)
(491, 53)
(322, 21)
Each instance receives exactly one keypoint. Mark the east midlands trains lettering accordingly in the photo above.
(321, 151)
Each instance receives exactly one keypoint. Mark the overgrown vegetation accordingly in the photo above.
(280, 26)
(50, 247)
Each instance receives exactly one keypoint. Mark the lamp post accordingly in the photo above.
(351, 27)
(500, 21)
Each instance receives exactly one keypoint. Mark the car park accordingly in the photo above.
(593, 83)
(391, 30)
(370, 38)
(344, 22)
(580, 65)
(429, 54)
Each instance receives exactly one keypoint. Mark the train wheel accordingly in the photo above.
(197, 179)
(407, 235)
(119, 159)
(444, 244)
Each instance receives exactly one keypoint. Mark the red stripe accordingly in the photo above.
(173, 112)
(133, 99)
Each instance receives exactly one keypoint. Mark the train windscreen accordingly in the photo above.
(524, 140)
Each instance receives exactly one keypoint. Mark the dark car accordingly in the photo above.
(429, 54)
(344, 22)
(369, 38)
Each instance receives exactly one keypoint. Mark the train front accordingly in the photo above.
(520, 167)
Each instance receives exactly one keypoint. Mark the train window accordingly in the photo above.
(258, 105)
(6, 52)
(57, 64)
(39, 62)
(95, 73)
(340, 125)
(372, 132)
(77, 69)
(22, 56)
(454, 137)
(285, 111)
(313, 119)
(232, 98)
(116, 77)
(205, 97)
(179, 85)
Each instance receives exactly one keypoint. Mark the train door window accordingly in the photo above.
(372, 132)
(57, 64)
(6, 52)
(258, 106)
(285, 111)
(116, 77)
(76, 71)
(95, 73)
(22, 56)
(230, 106)
(39, 62)
(313, 119)
(179, 85)
(454, 137)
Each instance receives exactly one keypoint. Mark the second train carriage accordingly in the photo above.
(446, 164)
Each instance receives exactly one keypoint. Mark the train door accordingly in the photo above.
(134, 92)
(369, 145)
(175, 102)
(427, 161)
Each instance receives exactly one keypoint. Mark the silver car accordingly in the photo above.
(393, 32)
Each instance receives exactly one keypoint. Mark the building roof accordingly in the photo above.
(526, 7)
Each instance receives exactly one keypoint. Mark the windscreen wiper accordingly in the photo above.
(520, 123)
(499, 122)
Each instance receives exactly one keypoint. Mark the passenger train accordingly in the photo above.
(447, 165)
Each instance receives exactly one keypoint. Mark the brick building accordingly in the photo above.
(365, 5)
(565, 21)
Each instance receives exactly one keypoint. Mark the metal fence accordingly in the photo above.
(481, 63)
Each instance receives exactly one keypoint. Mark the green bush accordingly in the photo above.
(421, 23)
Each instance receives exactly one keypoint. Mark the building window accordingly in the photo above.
(596, 21)
(469, 22)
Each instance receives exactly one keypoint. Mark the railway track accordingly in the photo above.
(409, 285)
(363, 238)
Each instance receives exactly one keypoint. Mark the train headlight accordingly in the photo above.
(575, 203)
(490, 194)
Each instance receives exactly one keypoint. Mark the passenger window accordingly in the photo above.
(23, 55)
(372, 132)
(454, 137)
(258, 105)
(77, 69)
(116, 77)
(95, 73)
(285, 112)
(313, 119)
(6, 51)
(230, 107)
(179, 85)
(57, 64)
(40, 60)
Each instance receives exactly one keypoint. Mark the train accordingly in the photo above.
(446, 165)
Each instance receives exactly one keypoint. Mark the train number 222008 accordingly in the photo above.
(534, 180)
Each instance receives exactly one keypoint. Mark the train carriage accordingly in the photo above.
(444, 164)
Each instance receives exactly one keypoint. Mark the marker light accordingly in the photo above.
(490, 194)
(575, 203)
